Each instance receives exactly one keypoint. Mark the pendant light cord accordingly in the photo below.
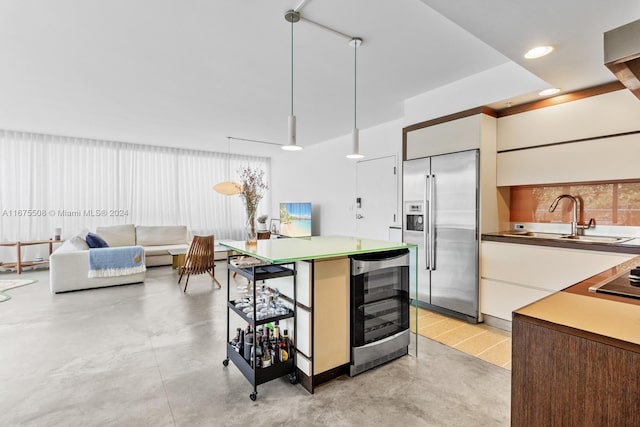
(228, 158)
(355, 84)
(292, 67)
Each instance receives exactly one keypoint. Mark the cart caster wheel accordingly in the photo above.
(225, 362)
(293, 379)
(253, 396)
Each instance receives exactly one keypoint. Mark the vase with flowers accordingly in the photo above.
(253, 187)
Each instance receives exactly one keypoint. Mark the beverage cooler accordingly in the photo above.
(379, 308)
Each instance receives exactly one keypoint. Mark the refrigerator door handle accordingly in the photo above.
(432, 227)
(426, 236)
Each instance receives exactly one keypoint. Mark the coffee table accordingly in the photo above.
(179, 256)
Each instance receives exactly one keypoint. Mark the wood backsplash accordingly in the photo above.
(610, 203)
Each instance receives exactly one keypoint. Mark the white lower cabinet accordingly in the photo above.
(304, 364)
(499, 299)
(514, 275)
(322, 316)
(303, 331)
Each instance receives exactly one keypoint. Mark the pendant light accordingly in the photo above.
(228, 188)
(292, 16)
(355, 133)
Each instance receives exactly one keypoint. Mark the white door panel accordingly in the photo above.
(376, 190)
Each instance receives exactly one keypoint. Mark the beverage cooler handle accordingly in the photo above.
(432, 227)
(427, 217)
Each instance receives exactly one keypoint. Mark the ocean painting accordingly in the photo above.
(295, 219)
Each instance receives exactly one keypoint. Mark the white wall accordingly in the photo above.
(322, 175)
(318, 174)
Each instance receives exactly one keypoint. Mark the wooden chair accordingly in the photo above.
(200, 259)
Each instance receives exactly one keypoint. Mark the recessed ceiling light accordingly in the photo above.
(538, 51)
(550, 91)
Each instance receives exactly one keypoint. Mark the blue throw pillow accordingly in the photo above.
(95, 241)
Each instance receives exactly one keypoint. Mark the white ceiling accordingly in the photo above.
(191, 72)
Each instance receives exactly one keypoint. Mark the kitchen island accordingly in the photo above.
(576, 356)
(323, 289)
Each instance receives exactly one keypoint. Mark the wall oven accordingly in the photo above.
(379, 308)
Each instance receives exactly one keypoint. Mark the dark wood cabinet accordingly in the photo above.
(563, 376)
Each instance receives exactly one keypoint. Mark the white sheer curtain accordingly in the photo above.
(75, 183)
(153, 169)
(224, 216)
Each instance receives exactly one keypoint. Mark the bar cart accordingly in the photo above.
(252, 310)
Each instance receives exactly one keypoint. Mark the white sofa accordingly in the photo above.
(157, 240)
(69, 264)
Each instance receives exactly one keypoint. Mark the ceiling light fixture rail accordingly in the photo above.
(300, 5)
(255, 140)
(295, 16)
(292, 16)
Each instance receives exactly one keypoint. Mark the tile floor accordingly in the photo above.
(485, 342)
(150, 355)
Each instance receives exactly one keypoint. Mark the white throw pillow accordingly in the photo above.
(79, 242)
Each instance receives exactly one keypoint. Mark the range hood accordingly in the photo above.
(622, 55)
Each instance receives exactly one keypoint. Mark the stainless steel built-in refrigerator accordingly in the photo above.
(440, 215)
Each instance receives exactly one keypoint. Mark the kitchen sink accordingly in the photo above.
(597, 239)
(533, 234)
(559, 236)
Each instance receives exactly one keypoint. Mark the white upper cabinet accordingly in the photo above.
(607, 114)
(605, 159)
(448, 137)
(591, 139)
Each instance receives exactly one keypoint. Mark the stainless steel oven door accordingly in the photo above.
(379, 297)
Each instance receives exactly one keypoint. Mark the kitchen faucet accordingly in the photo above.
(574, 222)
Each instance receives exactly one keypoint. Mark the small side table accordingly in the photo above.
(179, 256)
(19, 264)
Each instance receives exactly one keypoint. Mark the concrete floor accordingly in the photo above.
(149, 355)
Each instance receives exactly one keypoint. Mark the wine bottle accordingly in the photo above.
(287, 341)
(258, 354)
(276, 332)
(248, 347)
(236, 339)
(266, 355)
(274, 354)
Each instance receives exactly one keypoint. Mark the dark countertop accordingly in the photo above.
(629, 247)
